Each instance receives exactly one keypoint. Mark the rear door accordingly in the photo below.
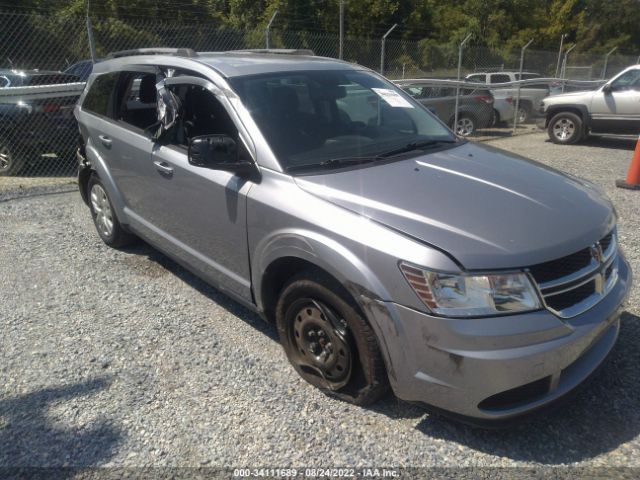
(123, 141)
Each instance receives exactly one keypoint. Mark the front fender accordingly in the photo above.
(322, 251)
(335, 259)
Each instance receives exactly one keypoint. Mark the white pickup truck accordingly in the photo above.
(530, 95)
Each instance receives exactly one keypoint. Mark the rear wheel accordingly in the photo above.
(565, 128)
(524, 113)
(10, 164)
(328, 342)
(104, 216)
(466, 125)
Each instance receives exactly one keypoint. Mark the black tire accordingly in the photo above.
(102, 208)
(10, 163)
(496, 118)
(349, 365)
(524, 113)
(565, 128)
(467, 124)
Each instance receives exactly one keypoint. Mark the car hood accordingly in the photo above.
(560, 96)
(485, 207)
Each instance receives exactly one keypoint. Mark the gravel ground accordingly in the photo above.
(122, 358)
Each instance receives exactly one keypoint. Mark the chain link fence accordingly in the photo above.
(45, 61)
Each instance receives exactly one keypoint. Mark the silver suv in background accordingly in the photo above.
(530, 95)
(386, 250)
(613, 108)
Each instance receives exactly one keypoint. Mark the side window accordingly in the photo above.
(480, 78)
(99, 97)
(202, 114)
(500, 78)
(137, 96)
(414, 91)
(627, 81)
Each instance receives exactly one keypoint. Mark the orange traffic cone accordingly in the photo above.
(632, 182)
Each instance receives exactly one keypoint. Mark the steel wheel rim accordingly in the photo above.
(320, 340)
(522, 115)
(464, 127)
(5, 158)
(564, 129)
(102, 210)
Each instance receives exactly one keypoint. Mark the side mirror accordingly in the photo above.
(607, 88)
(217, 152)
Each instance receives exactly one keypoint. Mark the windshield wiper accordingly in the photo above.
(333, 163)
(410, 147)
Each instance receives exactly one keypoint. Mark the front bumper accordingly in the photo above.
(499, 367)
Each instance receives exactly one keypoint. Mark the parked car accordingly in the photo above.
(81, 69)
(386, 250)
(475, 109)
(30, 126)
(530, 95)
(503, 107)
(612, 108)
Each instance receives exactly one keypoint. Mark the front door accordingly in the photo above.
(195, 213)
(616, 109)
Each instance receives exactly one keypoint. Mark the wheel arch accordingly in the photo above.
(577, 109)
(284, 255)
(99, 166)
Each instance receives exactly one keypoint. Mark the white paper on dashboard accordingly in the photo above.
(392, 97)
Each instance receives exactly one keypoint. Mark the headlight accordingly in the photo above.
(457, 295)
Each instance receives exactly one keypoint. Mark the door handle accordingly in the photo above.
(106, 141)
(163, 167)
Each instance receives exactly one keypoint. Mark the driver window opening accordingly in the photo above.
(201, 114)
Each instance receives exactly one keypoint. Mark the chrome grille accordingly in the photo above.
(573, 284)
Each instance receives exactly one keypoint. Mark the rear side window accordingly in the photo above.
(136, 99)
(100, 94)
(500, 78)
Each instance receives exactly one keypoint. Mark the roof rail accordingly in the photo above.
(180, 52)
(280, 51)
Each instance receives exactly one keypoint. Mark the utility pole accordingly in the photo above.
(515, 114)
(273, 17)
(564, 66)
(455, 115)
(341, 51)
(384, 40)
(92, 43)
(562, 37)
(606, 60)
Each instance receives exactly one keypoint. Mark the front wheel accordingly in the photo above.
(565, 128)
(328, 342)
(10, 164)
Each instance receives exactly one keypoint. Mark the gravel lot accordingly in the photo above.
(123, 358)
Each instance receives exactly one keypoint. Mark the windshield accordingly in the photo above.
(312, 117)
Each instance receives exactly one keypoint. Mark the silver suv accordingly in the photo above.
(386, 250)
(612, 108)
